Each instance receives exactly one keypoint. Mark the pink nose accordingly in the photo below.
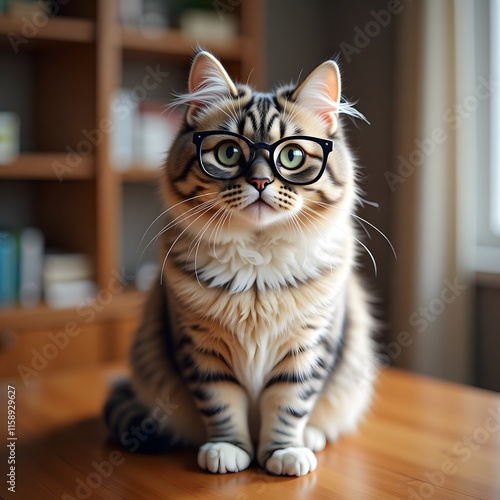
(259, 184)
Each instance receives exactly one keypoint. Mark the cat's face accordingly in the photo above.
(271, 160)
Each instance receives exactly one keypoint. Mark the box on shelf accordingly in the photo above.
(27, 8)
(124, 117)
(144, 13)
(67, 279)
(9, 258)
(207, 26)
(21, 260)
(31, 251)
(142, 131)
(157, 130)
(9, 137)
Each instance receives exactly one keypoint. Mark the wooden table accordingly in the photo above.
(423, 439)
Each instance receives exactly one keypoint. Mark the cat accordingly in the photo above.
(258, 334)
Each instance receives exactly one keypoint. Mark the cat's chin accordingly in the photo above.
(260, 214)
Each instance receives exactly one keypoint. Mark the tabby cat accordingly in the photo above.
(256, 339)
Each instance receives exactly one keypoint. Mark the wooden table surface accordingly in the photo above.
(423, 439)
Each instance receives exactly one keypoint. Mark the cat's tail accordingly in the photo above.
(132, 424)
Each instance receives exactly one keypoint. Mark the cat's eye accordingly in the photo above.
(291, 157)
(228, 153)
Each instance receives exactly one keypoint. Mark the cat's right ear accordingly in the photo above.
(208, 82)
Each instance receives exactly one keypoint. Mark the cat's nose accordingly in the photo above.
(259, 183)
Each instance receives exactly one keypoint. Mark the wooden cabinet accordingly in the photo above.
(61, 74)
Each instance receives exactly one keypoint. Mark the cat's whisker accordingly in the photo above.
(218, 228)
(177, 239)
(200, 234)
(199, 239)
(363, 227)
(178, 220)
(170, 208)
(345, 232)
(363, 220)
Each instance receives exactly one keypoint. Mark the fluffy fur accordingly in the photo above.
(258, 330)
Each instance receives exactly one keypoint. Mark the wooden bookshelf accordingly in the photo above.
(78, 59)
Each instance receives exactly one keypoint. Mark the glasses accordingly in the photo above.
(297, 160)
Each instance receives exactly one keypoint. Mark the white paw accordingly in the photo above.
(314, 439)
(222, 458)
(292, 462)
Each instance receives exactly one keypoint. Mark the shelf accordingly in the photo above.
(125, 305)
(63, 29)
(175, 43)
(137, 174)
(47, 166)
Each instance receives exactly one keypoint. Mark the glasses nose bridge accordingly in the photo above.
(256, 146)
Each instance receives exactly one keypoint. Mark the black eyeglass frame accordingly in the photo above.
(326, 146)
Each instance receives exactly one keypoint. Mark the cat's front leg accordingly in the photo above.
(223, 406)
(219, 397)
(285, 410)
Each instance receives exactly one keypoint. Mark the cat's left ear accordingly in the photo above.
(320, 92)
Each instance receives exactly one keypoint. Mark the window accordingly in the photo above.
(488, 140)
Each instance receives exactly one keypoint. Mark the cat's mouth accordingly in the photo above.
(260, 202)
(258, 209)
(258, 205)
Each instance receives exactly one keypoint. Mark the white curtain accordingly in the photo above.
(434, 186)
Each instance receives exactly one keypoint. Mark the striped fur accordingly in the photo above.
(256, 340)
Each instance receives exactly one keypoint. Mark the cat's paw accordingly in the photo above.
(222, 457)
(314, 439)
(292, 462)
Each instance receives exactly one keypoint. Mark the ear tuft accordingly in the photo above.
(208, 83)
(320, 92)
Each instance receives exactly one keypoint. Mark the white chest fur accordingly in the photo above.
(269, 261)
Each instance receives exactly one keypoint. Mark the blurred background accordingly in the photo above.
(83, 130)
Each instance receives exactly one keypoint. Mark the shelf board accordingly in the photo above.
(138, 174)
(62, 29)
(18, 318)
(47, 166)
(176, 43)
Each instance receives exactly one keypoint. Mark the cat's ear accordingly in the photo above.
(208, 82)
(320, 92)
